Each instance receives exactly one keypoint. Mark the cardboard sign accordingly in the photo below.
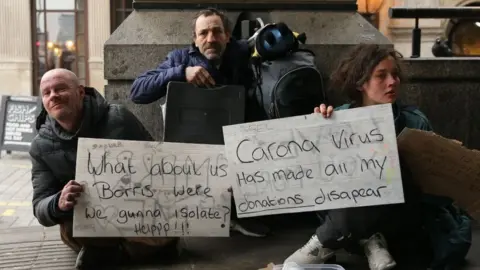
(151, 189)
(309, 163)
(443, 167)
(196, 115)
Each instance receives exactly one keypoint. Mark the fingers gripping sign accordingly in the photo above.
(324, 110)
(69, 195)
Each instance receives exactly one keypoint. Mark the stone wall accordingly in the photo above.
(143, 40)
(446, 90)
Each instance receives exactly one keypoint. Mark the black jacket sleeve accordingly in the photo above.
(46, 191)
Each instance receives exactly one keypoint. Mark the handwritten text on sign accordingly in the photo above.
(308, 163)
(151, 189)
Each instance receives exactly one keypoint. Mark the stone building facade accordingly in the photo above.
(37, 35)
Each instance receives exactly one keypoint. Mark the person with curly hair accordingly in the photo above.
(369, 75)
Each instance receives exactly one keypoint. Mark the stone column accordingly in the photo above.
(15, 47)
(98, 33)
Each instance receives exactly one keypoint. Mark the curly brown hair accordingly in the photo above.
(357, 67)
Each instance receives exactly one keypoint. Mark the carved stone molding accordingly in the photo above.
(15, 39)
(95, 63)
(98, 27)
(15, 64)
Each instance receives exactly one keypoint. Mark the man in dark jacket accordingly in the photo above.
(215, 58)
(71, 111)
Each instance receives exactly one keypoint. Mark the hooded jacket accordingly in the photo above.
(404, 116)
(54, 150)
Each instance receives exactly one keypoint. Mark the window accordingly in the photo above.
(466, 38)
(59, 38)
(119, 11)
(464, 35)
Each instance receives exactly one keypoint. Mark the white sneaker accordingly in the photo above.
(311, 253)
(377, 253)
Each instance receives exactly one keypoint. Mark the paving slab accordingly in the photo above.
(15, 191)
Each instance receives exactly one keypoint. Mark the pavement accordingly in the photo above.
(15, 191)
(24, 244)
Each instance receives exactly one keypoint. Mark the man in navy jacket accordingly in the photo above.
(215, 58)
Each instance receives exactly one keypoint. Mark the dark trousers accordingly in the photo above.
(138, 248)
(343, 228)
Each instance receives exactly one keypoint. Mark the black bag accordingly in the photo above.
(288, 82)
(289, 86)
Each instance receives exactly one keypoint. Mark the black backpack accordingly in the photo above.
(288, 83)
(289, 86)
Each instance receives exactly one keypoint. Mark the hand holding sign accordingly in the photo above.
(324, 110)
(68, 198)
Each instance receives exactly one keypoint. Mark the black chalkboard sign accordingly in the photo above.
(17, 122)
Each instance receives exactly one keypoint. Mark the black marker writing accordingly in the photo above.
(162, 229)
(198, 213)
(274, 150)
(166, 167)
(125, 215)
(270, 202)
(292, 175)
(153, 229)
(352, 195)
(94, 213)
(119, 167)
(338, 169)
(367, 163)
(180, 191)
(346, 141)
(245, 178)
(106, 192)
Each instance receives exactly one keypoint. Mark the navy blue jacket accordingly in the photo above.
(235, 70)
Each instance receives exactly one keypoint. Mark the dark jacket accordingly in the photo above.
(54, 150)
(404, 116)
(448, 227)
(235, 69)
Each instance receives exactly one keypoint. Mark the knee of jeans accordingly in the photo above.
(66, 229)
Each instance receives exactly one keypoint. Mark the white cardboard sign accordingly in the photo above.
(308, 163)
(151, 189)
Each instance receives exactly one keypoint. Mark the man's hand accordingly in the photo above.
(68, 198)
(199, 76)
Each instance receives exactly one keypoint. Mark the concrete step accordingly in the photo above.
(41, 248)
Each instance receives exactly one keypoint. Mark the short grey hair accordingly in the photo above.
(210, 12)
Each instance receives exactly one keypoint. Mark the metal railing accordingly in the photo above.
(431, 13)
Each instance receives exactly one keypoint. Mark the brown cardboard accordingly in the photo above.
(443, 167)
